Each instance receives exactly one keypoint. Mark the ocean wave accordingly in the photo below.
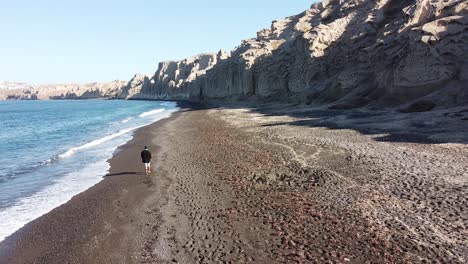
(96, 142)
(22, 170)
(4, 178)
(31, 207)
(152, 112)
(53, 179)
(127, 119)
(48, 161)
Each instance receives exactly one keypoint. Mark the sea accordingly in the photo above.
(52, 150)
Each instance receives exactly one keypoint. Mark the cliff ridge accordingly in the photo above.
(409, 54)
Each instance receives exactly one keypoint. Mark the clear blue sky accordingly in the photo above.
(62, 41)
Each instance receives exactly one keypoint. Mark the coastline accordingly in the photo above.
(270, 184)
(65, 232)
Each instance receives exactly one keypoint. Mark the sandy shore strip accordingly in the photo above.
(266, 185)
(95, 223)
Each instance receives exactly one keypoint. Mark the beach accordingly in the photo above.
(337, 133)
(259, 184)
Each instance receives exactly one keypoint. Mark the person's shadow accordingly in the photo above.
(124, 173)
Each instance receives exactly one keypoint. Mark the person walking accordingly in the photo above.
(146, 159)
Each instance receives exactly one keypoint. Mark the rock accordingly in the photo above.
(423, 12)
(446, 26)
(327, 3)
(137, 88)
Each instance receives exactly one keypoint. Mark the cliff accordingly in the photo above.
(351, 54)
(410, 54)
(21, 91)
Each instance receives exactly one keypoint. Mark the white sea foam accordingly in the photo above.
(32, 207)
(63, 189)
(96, 142)
(152, 112)
(127, 119)
(47, 161)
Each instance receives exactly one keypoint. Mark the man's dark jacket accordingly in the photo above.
(146, 156)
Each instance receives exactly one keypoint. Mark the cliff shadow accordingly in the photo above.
(435, 127)
(348, 78)
(350, 104)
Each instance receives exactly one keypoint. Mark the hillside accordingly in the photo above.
(21, 91)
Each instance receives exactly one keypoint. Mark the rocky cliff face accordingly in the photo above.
(180, 79)
(346, 53)
(15, 90)
(20, 91)
(350, 53)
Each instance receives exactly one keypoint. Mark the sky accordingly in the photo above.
(79, 41)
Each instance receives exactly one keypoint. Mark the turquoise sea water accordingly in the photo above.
(53, 150)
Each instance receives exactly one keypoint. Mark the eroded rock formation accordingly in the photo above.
(346, 53)
(19, 91)
(349, 53)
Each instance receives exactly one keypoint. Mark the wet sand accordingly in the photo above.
(104, 224)
(265, 185)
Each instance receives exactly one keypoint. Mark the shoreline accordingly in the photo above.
(270, 184)
(56, 226)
